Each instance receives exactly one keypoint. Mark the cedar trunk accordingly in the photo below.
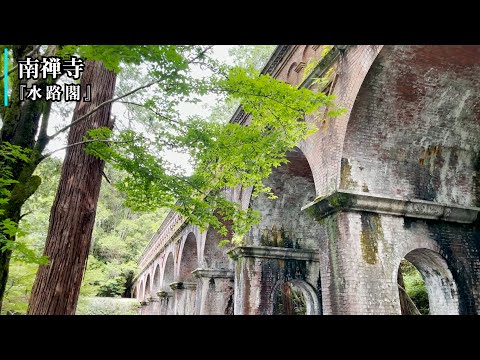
(57, 285)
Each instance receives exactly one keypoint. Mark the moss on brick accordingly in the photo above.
(346, 181)
(371, 233)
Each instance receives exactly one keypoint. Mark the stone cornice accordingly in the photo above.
(180, 285)
(164, 294)
(213, 273)
(273, 253)
(355, 201)
(275, 59)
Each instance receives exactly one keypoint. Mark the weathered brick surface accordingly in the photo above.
(258, 279)
(411, 132)
(361, 253)
(414, 131)
(283, 223)
(214, 296)
(323, 149)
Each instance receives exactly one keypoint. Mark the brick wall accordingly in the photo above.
(414, 131)
(360, 253)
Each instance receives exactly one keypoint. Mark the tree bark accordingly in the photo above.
(72, 217)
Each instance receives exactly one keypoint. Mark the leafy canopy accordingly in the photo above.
(221, 154)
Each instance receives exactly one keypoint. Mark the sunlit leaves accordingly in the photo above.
(223, 155)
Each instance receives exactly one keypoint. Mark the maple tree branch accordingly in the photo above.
(86, 142)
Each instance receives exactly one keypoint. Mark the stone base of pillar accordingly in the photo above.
(184, 295)
(214, 291)
(166, 302)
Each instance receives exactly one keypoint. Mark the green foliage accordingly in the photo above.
(106, 306)
(35, 226)
(248, 56)
(19, 285)
(223, 155)
(9, 154)
(165, 57)
(415, 286)
(312, 64)
(119, 237)
(9, 230)
(251, 56)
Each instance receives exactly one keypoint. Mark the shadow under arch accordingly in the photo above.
(147, 287)
(214, 255)
(168, 273)
(188, 259)
(140, 293)
(283, 223)
(156, 279)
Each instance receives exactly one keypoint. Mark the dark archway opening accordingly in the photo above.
(156, 280)
(283, 222)
(147, 288)
(168, 273)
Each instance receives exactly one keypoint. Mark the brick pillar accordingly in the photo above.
(259, 270)
(153, 305)
(149, 306)
(165, 303)
(365, 237)
(184, 297)
(143, 308)
(214, 291)
(356, 279)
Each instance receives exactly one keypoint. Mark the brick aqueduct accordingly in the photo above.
(397, 176)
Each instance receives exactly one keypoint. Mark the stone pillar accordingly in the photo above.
(153, 305)
(143, 308)
(214, 291)
(356, 278)
(365, 237)
(260, 270)
(184, 297)
(165, 303)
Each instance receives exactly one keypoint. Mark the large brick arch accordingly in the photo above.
(414, 130)
(148, 287)
(214, 255)
(188, 257)
(156, 279)
(168, 271)
(323, 149)
(401, 167)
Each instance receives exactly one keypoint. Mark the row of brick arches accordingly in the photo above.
(393, 179)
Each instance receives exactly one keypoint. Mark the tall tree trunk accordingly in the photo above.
(72, 217)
